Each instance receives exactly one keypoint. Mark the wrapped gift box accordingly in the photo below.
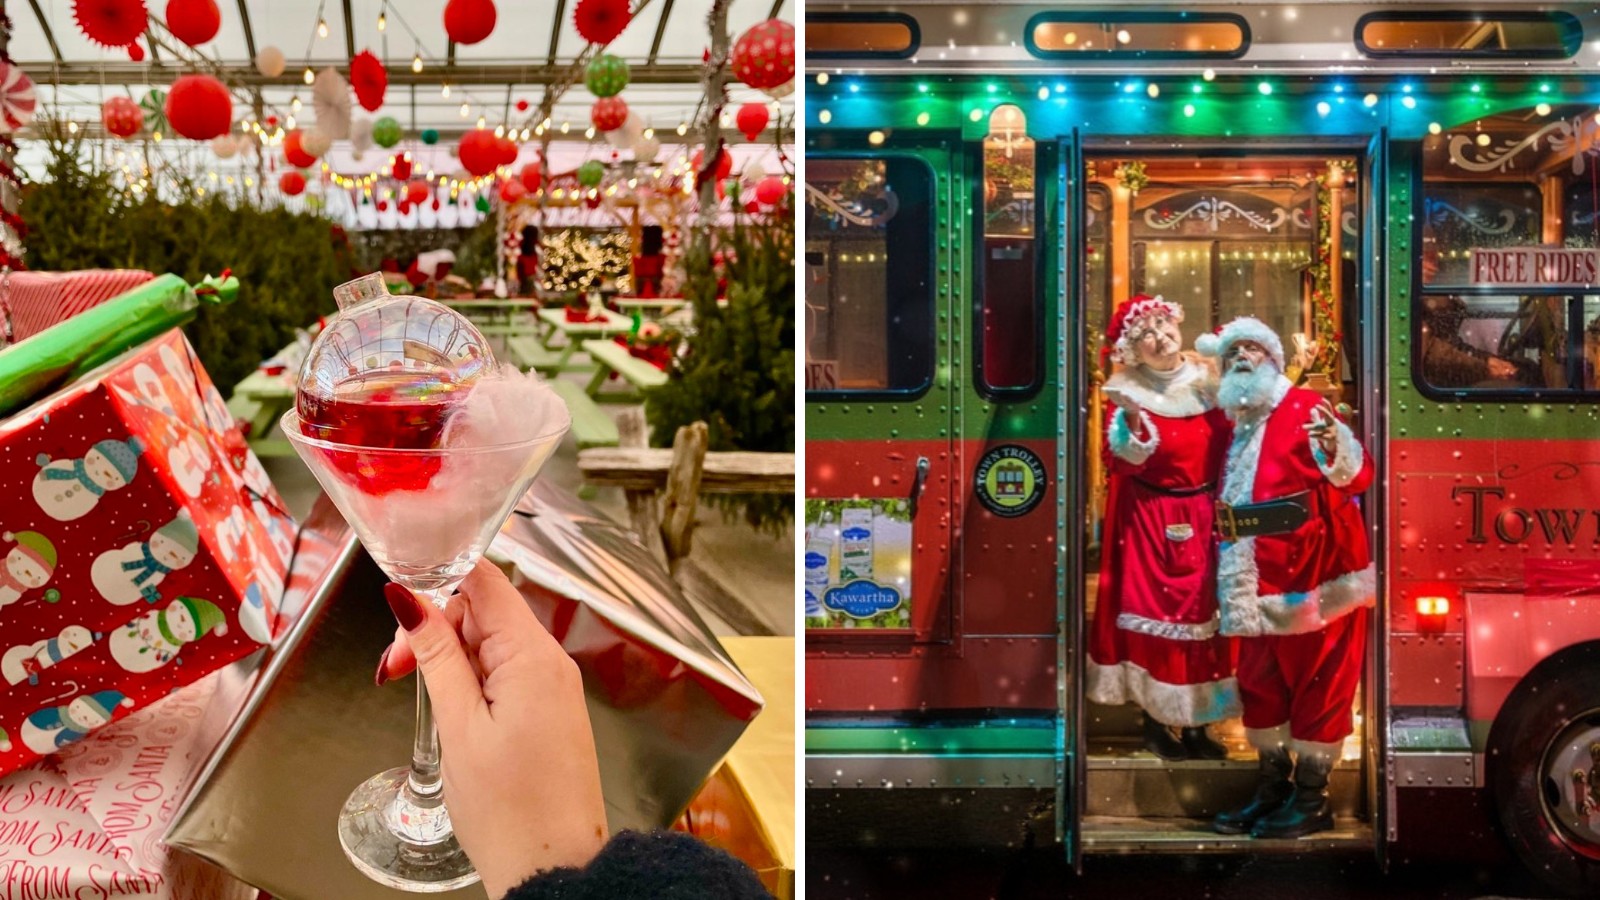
(34, 301)
(665, 701)
(747, 807)
(142, 546)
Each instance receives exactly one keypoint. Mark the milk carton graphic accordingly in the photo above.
(819, 548)
(855, 547)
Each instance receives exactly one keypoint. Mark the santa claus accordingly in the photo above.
(1294, 578)
(1154, 640)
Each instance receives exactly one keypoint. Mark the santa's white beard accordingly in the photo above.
(1241, 393)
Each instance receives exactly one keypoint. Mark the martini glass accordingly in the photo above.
(425, 504)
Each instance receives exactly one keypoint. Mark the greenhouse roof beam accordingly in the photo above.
(249, 33)
(350, 31)
(555, 30)
(45, 24)
(245, 74)
(661, 29)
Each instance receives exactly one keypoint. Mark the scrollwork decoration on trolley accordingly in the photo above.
(1575, 135)
(1214, 211)
(1438, 211)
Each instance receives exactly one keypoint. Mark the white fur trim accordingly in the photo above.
(1274, 738)
(1208, 344)
(1248, 328)
(1128, 447)
(1327, 752)
(1246, 613)
(1191, 392)
(1182, 705)
(1172, 631)
(1348, 456)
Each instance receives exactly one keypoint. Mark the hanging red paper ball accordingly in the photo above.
(417, 192)
(507, 149)
(199, 107)
(512, 190)
(400, 166)
(469, 21)
(370, 79)
(771, 189)
(111, 23)
(294, 150)
(530, 176)
(272, 121)
(122, 117)
(724, 167)
(403, 207)
(601, 21)
(292, 183)
(136, 51)
(383, 206)
(751, 119)
(436, 204)
(608, 113)
(522, 106)
(193, 21)
(763, 57)
(478, 153)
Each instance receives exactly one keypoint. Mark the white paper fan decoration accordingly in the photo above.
(225, 147)
(330, 96)
(360, 137)
(315, 142)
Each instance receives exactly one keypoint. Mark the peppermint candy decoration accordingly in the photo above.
(18, 99)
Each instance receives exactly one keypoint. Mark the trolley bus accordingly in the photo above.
(1408, 193)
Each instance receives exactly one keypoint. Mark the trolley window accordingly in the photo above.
(1509, 259)
(1140, 35)
(1455, 34)
(847, 35)
(869, 275)
(1009, 329)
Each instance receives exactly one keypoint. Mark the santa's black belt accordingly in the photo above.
(1175, 492)
(1273, 517)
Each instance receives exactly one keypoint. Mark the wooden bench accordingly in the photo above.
(591, 427)
(528, 353)
(680, 475)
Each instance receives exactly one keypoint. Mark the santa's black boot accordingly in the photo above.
(1271, 794)
(1158, 739)
(1201, 746)
(1308, 810)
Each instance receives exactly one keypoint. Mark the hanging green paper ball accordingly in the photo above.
(607, 75)
(386, 132)
(430, 136)
(482, 204)
(591, 173)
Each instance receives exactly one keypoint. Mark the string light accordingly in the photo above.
(465, 110)
(383, 21)
(683, 128)
(445, 91)
(322, 28)
(416, 63)
(649, 132)
(309, 77)
(291, 123)
(566, 127)
(589, 133)
(482, 121)
(499, 130)
(294, 103)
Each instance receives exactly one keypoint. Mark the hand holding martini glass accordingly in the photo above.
(425, 445)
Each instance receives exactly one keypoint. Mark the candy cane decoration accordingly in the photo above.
(18, 99)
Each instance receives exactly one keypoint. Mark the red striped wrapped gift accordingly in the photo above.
(35, 301)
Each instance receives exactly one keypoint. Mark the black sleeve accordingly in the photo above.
(661, 865)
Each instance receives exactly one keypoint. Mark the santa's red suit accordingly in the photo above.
(1296, 597)
(1154, 640)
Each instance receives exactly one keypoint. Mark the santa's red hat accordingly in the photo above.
(1131, 310)
(1244, 328)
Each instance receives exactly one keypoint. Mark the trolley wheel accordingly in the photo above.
(1544, 772)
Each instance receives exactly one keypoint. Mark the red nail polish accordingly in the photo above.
(383, 666)
(405, 607)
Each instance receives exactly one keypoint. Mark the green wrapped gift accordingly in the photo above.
(53, 357)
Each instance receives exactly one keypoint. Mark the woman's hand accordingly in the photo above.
(520, 773)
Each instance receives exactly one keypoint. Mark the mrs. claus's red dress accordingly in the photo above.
(1155, 639)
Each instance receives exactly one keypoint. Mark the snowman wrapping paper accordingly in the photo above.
(141, 547)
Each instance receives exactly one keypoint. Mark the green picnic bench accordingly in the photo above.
(613, 357)
(529, 353)
(591, 426)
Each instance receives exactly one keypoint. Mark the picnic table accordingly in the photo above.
(556, 320)
(262, 399)
(644, 304)
(610, 356)
(494, 307)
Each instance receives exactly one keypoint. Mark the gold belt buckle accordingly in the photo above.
(1227, 525)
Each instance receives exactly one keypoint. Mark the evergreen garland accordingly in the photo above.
(737, 373)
